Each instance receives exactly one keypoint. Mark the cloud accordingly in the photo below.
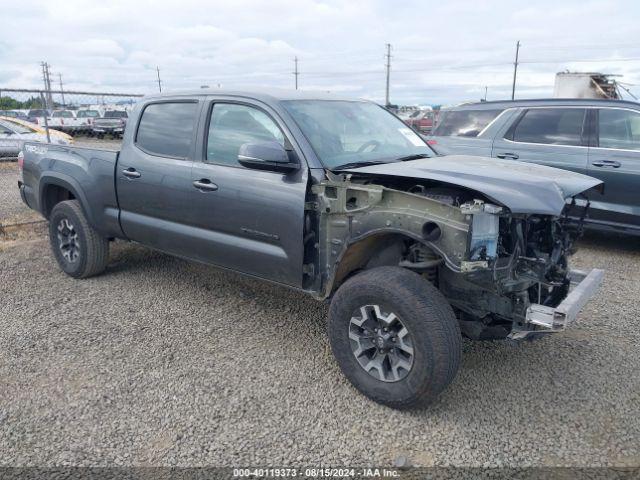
(443, 52)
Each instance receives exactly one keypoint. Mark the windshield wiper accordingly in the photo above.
(379, 162)
(358, 164)
(416, 156)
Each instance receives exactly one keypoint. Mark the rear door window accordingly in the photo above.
(550, 126)
(464, 123)
(166, 129)
(618, 129)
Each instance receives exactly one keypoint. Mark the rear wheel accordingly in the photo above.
(79, 249)
(394, 336)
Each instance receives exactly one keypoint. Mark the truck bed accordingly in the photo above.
(88, 173)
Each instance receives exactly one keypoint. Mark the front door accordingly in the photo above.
(153, 176)
(615, 159)
(250, 220)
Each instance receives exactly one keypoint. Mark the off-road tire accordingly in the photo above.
(427, 315)
(93, 251)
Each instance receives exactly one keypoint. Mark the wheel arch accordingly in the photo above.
(55, 188)
(383, 247)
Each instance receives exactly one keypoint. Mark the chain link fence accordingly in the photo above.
(61, 117)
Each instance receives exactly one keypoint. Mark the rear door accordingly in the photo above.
(464, 132)
(248, 220)
(553, 136)
(615, 159)
(153, 175)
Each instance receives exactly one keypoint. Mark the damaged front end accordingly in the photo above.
(517, 282)
(505, 274)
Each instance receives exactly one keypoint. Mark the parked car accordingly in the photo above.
(86, 118)
(37, 115)
(112, 123)
(421, 121)
(340, 200)
(405, 113)
(56, 135)
(13, 136)
(64, 120)
(600, 138)
(13, 114)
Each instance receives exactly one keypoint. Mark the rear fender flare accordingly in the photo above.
(68, 183)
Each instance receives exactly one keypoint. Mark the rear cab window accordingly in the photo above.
(166, 128)
(115, 114)
(88, 114)
(62, 114)
(550, 126)
(465, 123)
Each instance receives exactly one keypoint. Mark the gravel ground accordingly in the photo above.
(11, 205)
(163, 362)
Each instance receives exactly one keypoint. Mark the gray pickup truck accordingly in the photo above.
(339, 199)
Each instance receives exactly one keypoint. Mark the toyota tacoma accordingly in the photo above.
(339, 199)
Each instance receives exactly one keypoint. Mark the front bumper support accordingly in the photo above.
(549, 319)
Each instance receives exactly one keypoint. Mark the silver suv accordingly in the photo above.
(600, 138)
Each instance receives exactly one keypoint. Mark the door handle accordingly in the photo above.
(131, 173)
(512, 156)
(205, 185)
(606, 163)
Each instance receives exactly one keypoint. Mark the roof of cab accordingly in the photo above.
(268, 96)
(503, 104)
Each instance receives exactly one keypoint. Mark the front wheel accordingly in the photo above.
(395, 337)
(79, 249)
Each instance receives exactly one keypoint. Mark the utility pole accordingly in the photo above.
(295, 71)
(515, 71)
(46, 122)
(388, 55)
(61, 91)
(159, 81)
(49, 94)
(47, 85)
(485, 92)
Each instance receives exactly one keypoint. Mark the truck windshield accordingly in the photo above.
(16, 128)
(345, 132)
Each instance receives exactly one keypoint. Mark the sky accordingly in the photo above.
(443, 52)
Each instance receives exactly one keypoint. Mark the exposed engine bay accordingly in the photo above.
(491, 264)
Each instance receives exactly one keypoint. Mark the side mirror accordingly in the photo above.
(266, 156)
